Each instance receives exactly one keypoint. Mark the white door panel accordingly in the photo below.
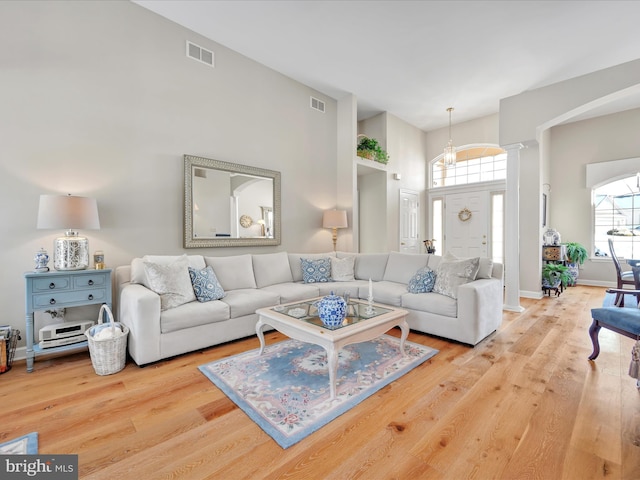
(409, 227)
(466, 224)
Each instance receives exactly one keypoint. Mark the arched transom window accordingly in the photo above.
(473, 165)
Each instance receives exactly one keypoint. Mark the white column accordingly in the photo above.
(512, 230)
(346, 181)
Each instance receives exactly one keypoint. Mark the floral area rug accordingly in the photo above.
(286, 389)
(25, 445)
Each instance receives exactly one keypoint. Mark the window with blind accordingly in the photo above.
(617, 216)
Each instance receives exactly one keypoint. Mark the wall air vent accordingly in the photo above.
(317, 104)
(200, 54)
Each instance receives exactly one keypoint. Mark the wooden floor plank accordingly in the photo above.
(524, 403)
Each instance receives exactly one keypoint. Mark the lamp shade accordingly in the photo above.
(68, 212)
(334, 219)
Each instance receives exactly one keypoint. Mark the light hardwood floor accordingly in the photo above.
(524, 404)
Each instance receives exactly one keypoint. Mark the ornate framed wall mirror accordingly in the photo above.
(230, 205)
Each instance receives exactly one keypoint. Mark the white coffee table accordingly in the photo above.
(300, 321)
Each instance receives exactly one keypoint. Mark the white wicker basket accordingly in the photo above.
(108, 355)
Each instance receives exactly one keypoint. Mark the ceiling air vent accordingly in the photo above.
(200, 54)
(317, 104)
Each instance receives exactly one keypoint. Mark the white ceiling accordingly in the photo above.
(416, 58)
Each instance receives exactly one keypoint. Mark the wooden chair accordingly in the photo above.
(624, 277)
(625, 321)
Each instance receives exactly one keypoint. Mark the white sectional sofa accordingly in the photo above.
(253, 281)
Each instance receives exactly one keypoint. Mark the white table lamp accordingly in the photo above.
(334, 219)
(71, 213)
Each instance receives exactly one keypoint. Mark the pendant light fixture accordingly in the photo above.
(449, 150)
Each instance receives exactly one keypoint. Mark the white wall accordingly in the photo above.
(572, 147)
(525, 114)
(99, 99)
(406, 146)
(525, 117)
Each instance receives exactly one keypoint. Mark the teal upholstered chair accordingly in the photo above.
(625, 321)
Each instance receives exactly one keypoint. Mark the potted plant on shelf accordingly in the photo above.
(554, 274)
(371, 149)
(576, 255)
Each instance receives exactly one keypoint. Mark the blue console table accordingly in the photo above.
(61, 289)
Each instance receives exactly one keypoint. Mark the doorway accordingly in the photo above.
(409, 221)
(466, 226)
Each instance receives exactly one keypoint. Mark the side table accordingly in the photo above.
(61, 289)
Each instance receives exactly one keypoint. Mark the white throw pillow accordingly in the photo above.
(485, 268)
(451, 274)
(342, 269)
(171, 282)
(138, 274)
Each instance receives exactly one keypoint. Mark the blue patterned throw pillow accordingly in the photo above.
(423, 281)
(205, 284)
(316, 270)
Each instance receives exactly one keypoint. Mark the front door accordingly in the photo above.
(466, 224)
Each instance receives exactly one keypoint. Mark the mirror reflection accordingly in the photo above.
(227, 204)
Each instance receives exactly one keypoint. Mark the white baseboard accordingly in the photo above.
(537, 295)
(21, 354)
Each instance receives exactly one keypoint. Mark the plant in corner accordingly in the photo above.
(576, 255)
(554, 274)
(371, 149)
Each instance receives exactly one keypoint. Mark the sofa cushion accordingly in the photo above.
(245, 301)
(342, 269)
(233, 272)
(340, 288)
(294, 292)
(205, 284)
(193, 314)
(389, 293)
(138, 274)
(432, 303)
(171, 282)
(451, 274)
(485, 269)
(434, 261)
(371, 266)
(296, 266)
(316, 270)
(401, 266)
(271, 268)
(423, 281)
